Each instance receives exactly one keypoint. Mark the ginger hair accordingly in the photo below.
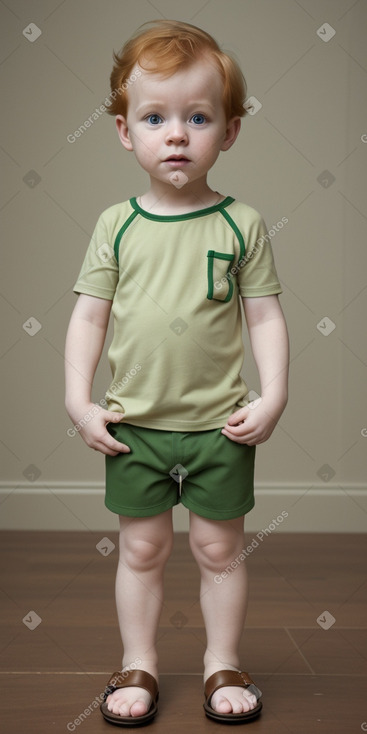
(165, 47)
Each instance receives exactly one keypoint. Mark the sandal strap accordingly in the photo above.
(137, 678)
(229, 678)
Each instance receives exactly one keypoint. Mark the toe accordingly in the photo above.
(139, 708)
(249, 701)
(123, 709)
(233, 700)
(122, 703)
(112, 705)
(237, 707)
(117, 707)
(221, 704)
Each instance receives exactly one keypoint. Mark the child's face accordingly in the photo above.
(181, 116)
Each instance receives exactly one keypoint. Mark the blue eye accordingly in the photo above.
(198, 119)
(154, 119)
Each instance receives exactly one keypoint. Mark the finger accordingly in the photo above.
(232, 436)
(112, 448)
(238, 416)
(105, 450)
(238, 430)
(248, 439)
(120, 448)
(113, 417)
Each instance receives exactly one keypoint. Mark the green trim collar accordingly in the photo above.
(180, 217)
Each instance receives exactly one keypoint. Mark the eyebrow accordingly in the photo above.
(152, 104)
(159, 103)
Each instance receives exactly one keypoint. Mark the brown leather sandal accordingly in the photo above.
(231, 678)
(140, 679)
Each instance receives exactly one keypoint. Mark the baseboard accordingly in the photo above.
(80, 506)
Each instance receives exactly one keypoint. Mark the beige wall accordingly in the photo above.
(313, 119)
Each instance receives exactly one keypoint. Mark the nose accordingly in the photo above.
(176, 133)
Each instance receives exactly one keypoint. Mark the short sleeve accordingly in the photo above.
(99, 272)
(257, 274)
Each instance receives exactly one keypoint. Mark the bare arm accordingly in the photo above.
(269, 342)
(84, 343)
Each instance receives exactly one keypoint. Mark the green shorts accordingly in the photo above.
(206, 471)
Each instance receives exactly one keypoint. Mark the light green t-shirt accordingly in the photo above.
(175, 282)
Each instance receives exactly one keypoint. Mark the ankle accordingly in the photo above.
(150, 665)
(213, 663)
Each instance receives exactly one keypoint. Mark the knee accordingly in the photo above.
(142, 554)
(214, 554)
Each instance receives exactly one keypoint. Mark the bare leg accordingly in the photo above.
(145, 545)
(215, 545)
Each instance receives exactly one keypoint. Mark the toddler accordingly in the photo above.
(173, 265)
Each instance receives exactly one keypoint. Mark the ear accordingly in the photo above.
(123, 132)
(233, 128)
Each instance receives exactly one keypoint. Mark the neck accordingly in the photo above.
(169, 199)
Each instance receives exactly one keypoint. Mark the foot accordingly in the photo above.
(131, 701)
(229, 699)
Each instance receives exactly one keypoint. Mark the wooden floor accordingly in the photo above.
(313, 676)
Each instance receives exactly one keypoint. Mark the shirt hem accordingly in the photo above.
(181, 427)
(258, 292)
(89, 290)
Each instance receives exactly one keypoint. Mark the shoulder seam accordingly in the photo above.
(121, 231)
(237, 232)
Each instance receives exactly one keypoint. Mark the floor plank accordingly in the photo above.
(313, 677)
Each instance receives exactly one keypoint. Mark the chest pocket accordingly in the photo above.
(220, 285)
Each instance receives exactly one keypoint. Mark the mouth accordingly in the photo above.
(177, 158)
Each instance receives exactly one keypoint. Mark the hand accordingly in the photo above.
(92, 428)
(253, 424)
